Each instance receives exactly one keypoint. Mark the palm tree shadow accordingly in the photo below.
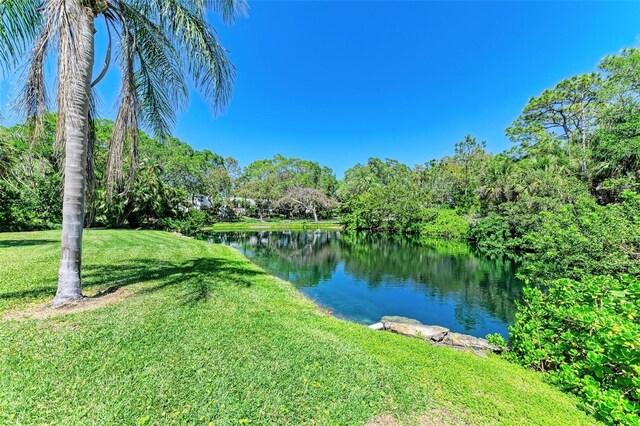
(46, 290)
(22, 243)
(194, 280)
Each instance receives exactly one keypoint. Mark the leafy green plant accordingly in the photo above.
(497, 339)
(445, 223)
(189, 224)
(586, 238)
(586, 335)
(34, 207)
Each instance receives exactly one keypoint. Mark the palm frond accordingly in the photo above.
(34, 92)
(19, 26)
(229, 10)
(107, 60)
(160, 85)
(158, 40)
(125, 128)
(205, 58)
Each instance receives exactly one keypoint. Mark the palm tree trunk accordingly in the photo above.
(75, 72)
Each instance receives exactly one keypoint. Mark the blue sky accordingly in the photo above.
(338, 82)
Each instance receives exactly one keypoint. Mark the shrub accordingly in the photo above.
(497, 339)
(502, 231)
(31, 208)
(190, 224)
(587, 336)
(587, 238)
(445, 223)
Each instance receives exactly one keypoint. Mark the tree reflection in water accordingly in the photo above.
(363, 276)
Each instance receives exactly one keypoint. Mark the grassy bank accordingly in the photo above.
(206, 336)
(283, 225)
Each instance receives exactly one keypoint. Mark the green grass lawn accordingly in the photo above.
(207, 336)
(248, 224)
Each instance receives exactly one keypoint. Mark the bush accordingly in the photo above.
(584, 238)
(445, 223)
(382, 209)
(192, 222)
(31, 208)
(502, 231)
(587, 336)
(497, 339)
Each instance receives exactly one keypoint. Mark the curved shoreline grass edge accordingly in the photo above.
(210, 337)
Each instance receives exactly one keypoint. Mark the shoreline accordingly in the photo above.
(275, 226)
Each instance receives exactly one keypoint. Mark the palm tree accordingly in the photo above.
(159, 41)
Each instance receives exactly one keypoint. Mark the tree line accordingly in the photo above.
(172, 187)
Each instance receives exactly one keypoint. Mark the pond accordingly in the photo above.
(363, 277)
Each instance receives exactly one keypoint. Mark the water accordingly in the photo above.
(363, 277)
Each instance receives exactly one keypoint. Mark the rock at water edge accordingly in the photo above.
(431, 333)
(377, 326)
(400, 320)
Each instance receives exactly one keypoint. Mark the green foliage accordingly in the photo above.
(566, 114)
(149, 199)
(471, 157)
(266, 182)
(495, 236)
(497, 339)
(185, 169)
(586, 238)
(503, 231)
(7, 154)
(170, 178)
(19, 22)
(191, 223)
(586, 335)
(447, 224)
(30, 184)
(38, 208)
(617, 152)
(381, 195)
(565, 201)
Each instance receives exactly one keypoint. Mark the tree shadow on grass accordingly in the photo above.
(22, 243)
(35, 293)
(194, 280)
